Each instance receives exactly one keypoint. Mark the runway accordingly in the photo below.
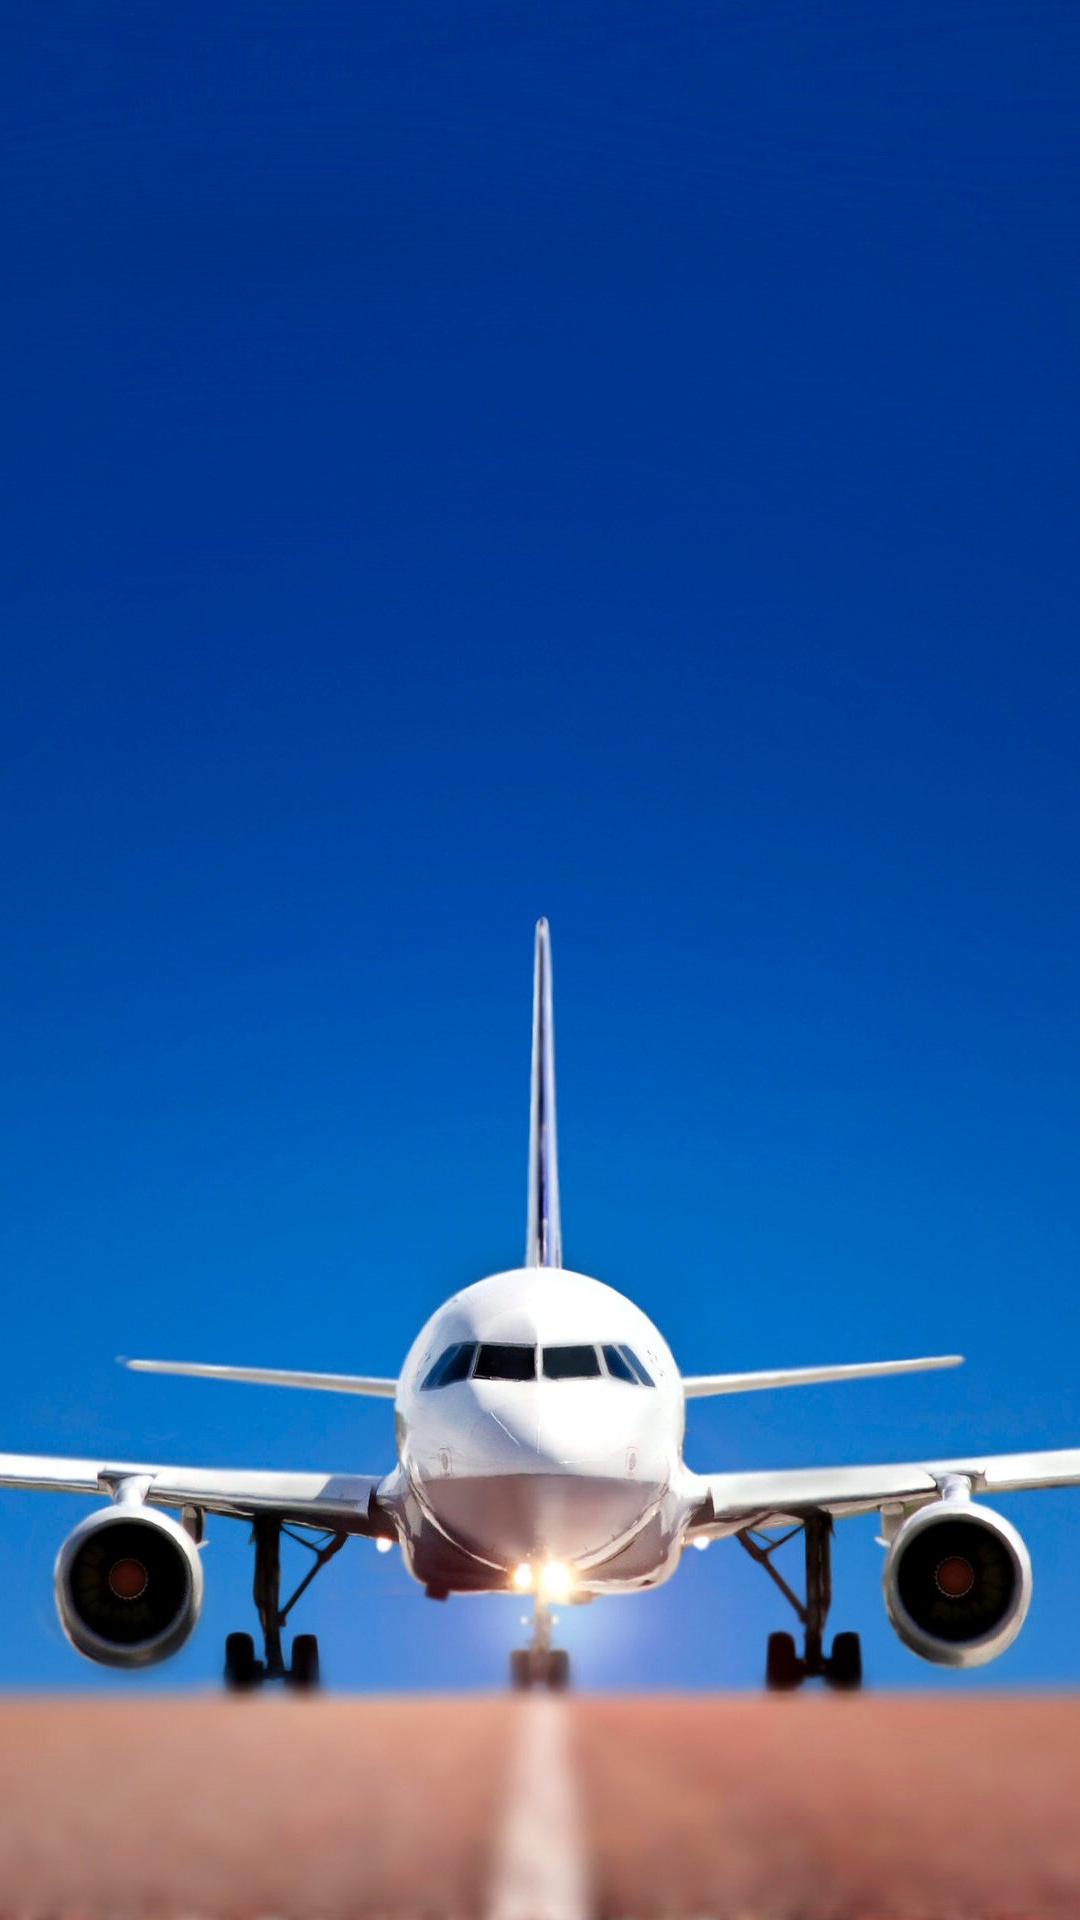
(739, 1808)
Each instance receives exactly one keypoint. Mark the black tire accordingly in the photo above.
(521, 1671)
(844, 1671)
(783, 1668)
(242, 1670)
(558, 1670)
(304, 1672)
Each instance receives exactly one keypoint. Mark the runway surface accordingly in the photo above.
(811, 1808)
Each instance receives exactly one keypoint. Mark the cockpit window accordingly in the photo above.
(618, 1365)
(451, 1366)
(505, 1363)
(623, 1364)
(571, 1363)
(495, 1361)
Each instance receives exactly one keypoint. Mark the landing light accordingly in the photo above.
(555, 1580)
(523, 1577)
(382, 1545)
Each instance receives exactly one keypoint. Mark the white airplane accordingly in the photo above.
(540, 1420)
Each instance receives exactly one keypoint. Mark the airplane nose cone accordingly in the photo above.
(547, 1472)
(555, 1428)
(505, 1433)
(510, 1518)
(574, 1432)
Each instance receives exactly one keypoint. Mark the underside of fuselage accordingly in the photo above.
(474, 1534)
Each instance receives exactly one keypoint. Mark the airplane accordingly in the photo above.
(540, 1420)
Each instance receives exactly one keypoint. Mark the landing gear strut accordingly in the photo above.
(243, 1670)
(785, 1669)
(540, 1664)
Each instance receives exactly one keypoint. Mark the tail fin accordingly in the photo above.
(544, 1247)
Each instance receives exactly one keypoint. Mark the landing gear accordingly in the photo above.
(530, 1668)
(845, 1667)
(304, 1672)
(541, 1664)
(244, 1671)
(785, 1668)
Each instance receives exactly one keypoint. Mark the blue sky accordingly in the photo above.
(470, 462)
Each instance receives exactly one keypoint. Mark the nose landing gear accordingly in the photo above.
(540, 1664)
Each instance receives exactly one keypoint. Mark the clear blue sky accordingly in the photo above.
(467, 462)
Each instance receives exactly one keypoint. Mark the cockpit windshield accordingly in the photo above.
(571, 1363)
(494, 1360)
(623, 1364)
(455, 1364)
(505, 1363)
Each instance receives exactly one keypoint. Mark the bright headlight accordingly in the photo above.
(555, 1580)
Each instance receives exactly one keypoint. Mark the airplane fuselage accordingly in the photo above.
(540, 1420)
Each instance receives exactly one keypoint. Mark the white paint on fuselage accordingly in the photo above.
(574, 1470)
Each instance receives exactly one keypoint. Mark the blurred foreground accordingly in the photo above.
(807, 1808)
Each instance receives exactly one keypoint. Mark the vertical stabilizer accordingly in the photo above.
(544, 1247)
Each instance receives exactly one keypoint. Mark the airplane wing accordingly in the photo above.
(377, 1388)
(697, 1385)
(732, 1502)
(341, 1503)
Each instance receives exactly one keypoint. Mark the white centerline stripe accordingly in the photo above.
(540, 1855)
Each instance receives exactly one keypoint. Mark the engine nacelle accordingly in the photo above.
(958, 1583)
(129, 1586)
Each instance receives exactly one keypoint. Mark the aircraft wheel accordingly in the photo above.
(844, 1671)
(783, 1668)
(558, 1670)
(521, 1671)
(242, 1670)
(304, 1672)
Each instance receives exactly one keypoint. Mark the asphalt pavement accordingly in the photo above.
(492, 1808)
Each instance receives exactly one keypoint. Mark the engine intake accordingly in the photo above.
(958, 1583)
(129, 1586)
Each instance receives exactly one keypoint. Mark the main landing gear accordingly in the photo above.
(785, 1668)
(540, 1664)
(243, 1669)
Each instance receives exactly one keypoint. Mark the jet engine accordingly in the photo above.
(129, 1586)
(957, 1583)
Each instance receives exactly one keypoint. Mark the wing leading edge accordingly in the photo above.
(733, 1501)
(374, 1387)
(344, 1503)
(697, 1386)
